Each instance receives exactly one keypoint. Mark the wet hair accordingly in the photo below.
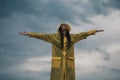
(62, 36)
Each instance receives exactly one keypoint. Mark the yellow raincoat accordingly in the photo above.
(63, 63)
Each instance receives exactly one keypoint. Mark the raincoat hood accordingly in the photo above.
(69, 28)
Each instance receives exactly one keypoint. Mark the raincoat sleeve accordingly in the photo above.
(83, 35)
(45, 37)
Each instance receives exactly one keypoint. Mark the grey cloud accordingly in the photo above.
(56, 9)
(52, 9)
(105, 55)
(101, 67)
(7, 7)
(25, 75)
(14, 48)
(115, 70)
(114, 4)
(84, 46)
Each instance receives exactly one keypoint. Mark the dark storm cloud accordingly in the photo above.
(96, 7)
(51, 9)
(7, 7)
(25, 75)
(115, 70)
(57, 9)
(114, 4)
(13, 48)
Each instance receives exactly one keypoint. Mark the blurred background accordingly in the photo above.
(25, 58)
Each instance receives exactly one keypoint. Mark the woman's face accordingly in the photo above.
(64, 28)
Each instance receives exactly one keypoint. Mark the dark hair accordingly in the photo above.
(62, 36)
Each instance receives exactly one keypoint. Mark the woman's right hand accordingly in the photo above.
(24, 33)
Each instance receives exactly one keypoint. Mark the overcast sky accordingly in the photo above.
(25, 58)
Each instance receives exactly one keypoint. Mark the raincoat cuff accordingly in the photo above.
(91, 32)
(30, 34)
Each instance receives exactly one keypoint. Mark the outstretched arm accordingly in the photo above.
(45, 37)
(84, 35)
(31, 34)
(92, 32)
